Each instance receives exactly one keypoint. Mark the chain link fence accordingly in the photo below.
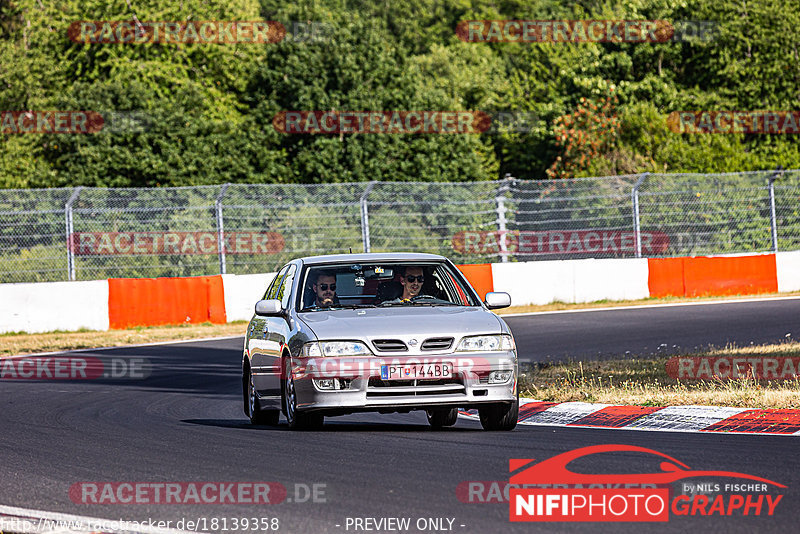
(95, 233)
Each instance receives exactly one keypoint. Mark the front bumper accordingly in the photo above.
(366, 391)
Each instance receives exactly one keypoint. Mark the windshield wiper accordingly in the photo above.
(339, 307)
(426, 302)
(394, 302)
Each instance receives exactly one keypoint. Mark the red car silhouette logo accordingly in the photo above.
(554, 470)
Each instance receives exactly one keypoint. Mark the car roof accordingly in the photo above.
(371, 258)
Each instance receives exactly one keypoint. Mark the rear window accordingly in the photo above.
(385, 284)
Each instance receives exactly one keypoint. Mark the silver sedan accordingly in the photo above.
(335, 335)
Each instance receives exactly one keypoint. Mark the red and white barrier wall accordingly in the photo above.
(126, 302)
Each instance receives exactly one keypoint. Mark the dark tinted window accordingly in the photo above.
(382, 284)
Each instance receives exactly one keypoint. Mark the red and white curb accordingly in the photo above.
(711, 419)
(22, 521)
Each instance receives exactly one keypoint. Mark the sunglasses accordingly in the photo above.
(325, 287)
(411, 278)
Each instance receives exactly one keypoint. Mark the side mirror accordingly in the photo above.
(497, 299)
(269, 307)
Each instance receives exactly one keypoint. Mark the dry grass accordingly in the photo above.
(557, 306)
(645, 382)
(23, 343)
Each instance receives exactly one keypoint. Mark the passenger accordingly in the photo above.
(325, 290)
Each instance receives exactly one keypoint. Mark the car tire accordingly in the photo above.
(254, 411)
(500, 416)
(442, 417)
(297, 420)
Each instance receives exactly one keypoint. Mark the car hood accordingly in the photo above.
(402, 322)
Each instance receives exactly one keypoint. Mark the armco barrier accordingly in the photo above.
(48, 306)
(704, 276)
(155, 301)
(788, 270)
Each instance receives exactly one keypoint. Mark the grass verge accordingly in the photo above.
(23, 343)
(645, 382)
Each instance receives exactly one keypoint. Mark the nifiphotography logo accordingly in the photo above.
(572, 496)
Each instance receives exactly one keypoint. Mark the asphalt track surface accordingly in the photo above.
(649, 330)
(184, 423)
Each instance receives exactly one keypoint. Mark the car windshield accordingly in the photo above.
(383, 285)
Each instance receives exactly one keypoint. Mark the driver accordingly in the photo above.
(412, 282)
(325, 290)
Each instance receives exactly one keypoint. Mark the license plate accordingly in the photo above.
(417, 371)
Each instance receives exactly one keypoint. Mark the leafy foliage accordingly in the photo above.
(209, 107)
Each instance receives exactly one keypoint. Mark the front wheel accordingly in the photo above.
(254, 411)
(500, 416)
(441, 417)
(297, 420)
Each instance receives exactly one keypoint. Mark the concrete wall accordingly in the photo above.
(788, 265)
(543, 282)
(242, 291)
(48, 306)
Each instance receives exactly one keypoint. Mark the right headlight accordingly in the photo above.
(499, 342)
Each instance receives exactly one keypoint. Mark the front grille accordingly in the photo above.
(389, 345)
(437, 343)
(377, 382)
(414, 388)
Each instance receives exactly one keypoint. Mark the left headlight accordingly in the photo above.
(318, 349)
(499, 342)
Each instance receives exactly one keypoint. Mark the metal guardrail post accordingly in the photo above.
(501, 210)
(221, 229)
(69, 231)
(365, 217)
(637, 230)
(773, 217)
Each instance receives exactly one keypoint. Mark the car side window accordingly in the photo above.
(272, 290)
(285, 291)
